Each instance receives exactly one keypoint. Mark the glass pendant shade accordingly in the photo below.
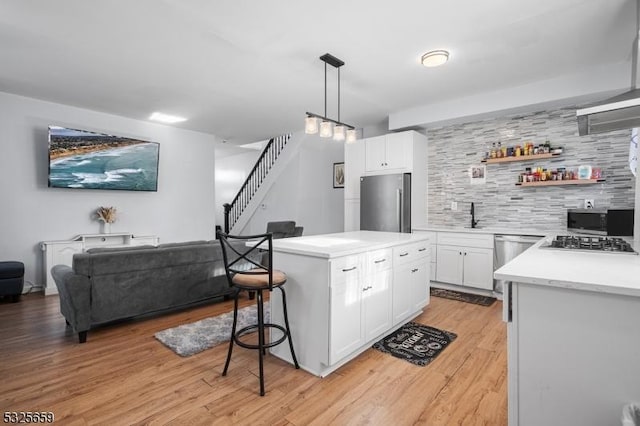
(351, 135)
(338, 133)
(326, 129)
(311, 125)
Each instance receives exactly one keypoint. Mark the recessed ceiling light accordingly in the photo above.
(166, 118)
(435, 58)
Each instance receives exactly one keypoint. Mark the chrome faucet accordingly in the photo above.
(474, 222)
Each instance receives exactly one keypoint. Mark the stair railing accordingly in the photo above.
(267, 159)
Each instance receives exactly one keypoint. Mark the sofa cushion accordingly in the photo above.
(183, 244)
(117, 249)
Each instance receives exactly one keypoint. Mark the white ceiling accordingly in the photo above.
(248, 70)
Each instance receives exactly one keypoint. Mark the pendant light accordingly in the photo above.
(341, 131)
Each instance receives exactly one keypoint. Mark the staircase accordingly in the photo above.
(271, 152)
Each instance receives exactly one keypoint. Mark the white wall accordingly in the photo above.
(30, 212)
(304, 191)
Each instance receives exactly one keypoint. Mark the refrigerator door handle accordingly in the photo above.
(399, 208)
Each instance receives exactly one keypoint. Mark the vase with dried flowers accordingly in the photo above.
(106, 215)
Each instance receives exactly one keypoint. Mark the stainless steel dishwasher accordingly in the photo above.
(507, 247)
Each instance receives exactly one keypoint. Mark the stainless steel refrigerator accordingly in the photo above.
(385, 203)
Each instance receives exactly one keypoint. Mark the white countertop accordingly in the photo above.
(343, 243)
(491, 230)
(604, 272)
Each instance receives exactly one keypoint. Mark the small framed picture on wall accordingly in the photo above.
(478, 175)
(338, 175)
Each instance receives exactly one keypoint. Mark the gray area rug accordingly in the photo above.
(189, 339)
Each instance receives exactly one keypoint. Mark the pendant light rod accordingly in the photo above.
(325, 88)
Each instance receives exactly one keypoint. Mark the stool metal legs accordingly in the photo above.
(286, 324)
(260, 327)
(233, 332)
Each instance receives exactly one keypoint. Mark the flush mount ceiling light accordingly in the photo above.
(435, 58)
(341, 131)
(166, 118)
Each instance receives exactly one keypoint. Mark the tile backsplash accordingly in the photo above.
(452, 150)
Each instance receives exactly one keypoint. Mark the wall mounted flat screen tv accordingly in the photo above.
(87, 160)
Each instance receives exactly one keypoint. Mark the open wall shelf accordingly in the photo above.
(519, 158)
(561, 182)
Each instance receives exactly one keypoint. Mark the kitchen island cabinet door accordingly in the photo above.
(449, 264)
(376, 304)
(478, 268)
(420, 282)
(346, 318)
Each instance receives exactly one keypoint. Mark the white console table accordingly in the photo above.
(61, 252)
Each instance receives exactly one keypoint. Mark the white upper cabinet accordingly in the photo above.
(391, 152)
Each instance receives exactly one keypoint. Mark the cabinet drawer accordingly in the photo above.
(346, 267)
(465, 239)
(378, 260)
(409, 252)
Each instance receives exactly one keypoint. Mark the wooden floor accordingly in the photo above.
(124, 376)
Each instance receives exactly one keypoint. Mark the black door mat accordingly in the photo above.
(417, 343)
(463, 297)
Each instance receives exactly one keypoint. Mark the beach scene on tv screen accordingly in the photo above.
(82, 159)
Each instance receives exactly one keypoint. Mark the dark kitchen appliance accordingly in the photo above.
(591, 244)
(385, 203)
(605, 222)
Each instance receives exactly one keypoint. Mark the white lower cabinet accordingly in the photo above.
(376, 304)
(572, 355)
(360, 301)
(465, 259)
(346, 318)
(410, 280)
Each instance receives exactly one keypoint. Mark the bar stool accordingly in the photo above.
(263, 277)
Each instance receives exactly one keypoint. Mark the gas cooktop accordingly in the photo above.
(592, 244)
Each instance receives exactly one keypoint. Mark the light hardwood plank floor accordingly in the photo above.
(124, 376)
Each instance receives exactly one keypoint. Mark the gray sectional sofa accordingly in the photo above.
(108, 284)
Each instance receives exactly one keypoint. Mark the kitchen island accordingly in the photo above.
(573, 333)
(347, 290)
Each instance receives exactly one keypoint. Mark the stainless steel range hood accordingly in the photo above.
(617, 113)
(620, 112)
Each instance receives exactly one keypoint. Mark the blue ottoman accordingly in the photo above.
(11, 279)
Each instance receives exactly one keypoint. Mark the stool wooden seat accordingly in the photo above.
(258, 279)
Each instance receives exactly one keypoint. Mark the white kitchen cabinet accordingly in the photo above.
(572, 355)
(391, 152)
(346, 319)
(360, 301)
(432, 250)
(477, 268)
(354, 154)
(465, 259)
(61, 252)
(352, 215)
(410, 280)
(377, 293)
